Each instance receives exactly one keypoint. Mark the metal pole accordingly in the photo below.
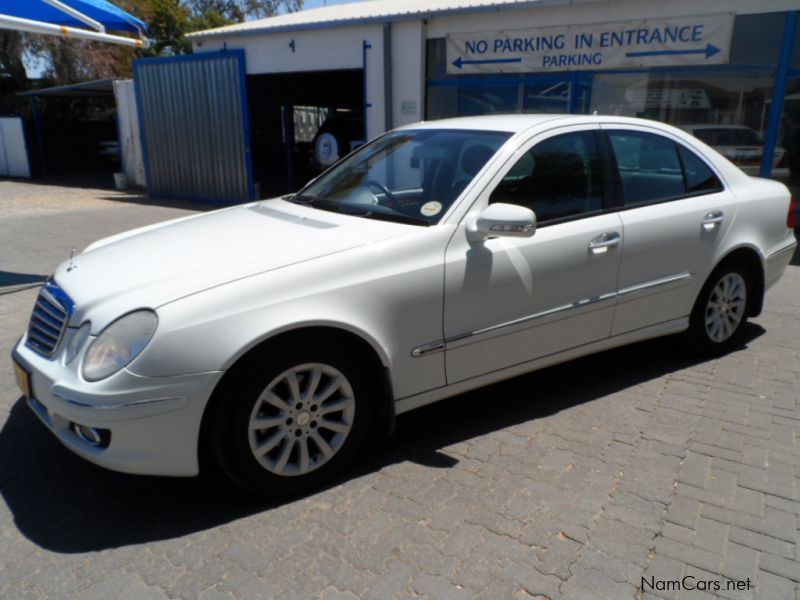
(288, 136)
(76, 14)
(365, 46)
(781, 78)
(37, 127)
(387, 77)
(29, 26)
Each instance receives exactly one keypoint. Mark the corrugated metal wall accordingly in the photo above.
(193, 114)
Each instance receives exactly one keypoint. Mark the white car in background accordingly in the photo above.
(741, 145)
(273, 337)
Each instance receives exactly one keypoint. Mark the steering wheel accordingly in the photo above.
(391, 201)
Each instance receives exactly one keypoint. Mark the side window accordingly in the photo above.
(699, 177)
(649, 168)
(557, 178)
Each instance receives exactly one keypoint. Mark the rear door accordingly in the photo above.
(675, 213)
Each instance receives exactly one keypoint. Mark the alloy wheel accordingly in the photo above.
(301, 419)
(725, 307)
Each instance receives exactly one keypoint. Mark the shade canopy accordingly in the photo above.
(110, 16)
(99, 88)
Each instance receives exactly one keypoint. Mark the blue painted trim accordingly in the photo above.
(248, 154)
(514, 78)
(188, 57)
(781, 79)
(577, 83)
(367, 105)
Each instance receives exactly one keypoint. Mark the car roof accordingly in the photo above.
(516, 123)
(509, 123)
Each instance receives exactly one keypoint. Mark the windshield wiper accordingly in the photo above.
(356, 211)
(387, 216)
(300, 199)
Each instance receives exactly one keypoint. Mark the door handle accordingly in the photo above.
(711, 219)
(603, 242)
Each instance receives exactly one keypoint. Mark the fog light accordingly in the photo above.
(99, 438)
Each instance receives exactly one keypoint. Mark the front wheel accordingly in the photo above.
(719, 315)
(289, 424)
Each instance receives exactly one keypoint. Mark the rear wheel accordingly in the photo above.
(286, 425)
(721, 310)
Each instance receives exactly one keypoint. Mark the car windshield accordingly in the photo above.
(410, 176)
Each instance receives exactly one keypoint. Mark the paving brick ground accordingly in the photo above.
(574, 482)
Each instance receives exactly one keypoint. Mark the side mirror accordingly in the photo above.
(502, 220)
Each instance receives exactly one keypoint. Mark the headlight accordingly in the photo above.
(118, 344)
(77, 342)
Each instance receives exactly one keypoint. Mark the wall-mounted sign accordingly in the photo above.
(702, 40)
(408, 107)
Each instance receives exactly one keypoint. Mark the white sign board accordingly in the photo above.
(702, 40)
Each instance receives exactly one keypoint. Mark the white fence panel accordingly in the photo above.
(130, 141)
(13, 149)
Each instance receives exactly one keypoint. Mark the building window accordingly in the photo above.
(726, 109)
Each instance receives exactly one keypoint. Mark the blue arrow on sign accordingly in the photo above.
(710, 50)
(459, 62)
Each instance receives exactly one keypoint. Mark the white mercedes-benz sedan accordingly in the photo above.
(274, 337)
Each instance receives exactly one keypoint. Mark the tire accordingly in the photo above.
(288, 423)
(720, 311)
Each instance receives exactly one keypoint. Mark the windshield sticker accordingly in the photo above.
(431, 209)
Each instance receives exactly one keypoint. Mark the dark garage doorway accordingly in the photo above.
(289, 111)
(73, 133)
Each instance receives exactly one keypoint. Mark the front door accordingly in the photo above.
(512, 300)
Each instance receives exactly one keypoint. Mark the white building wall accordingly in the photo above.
(332, 48)
(327, 49)
(408, 72)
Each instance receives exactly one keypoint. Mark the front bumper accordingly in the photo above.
(154, 421)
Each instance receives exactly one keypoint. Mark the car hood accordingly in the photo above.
(151, 266)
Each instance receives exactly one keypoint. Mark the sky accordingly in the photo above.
(318, 3)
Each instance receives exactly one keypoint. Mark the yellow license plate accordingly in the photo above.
(23, 378)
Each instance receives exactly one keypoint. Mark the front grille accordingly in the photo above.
(49, 319)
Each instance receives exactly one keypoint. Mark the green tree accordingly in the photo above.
(13, 76)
